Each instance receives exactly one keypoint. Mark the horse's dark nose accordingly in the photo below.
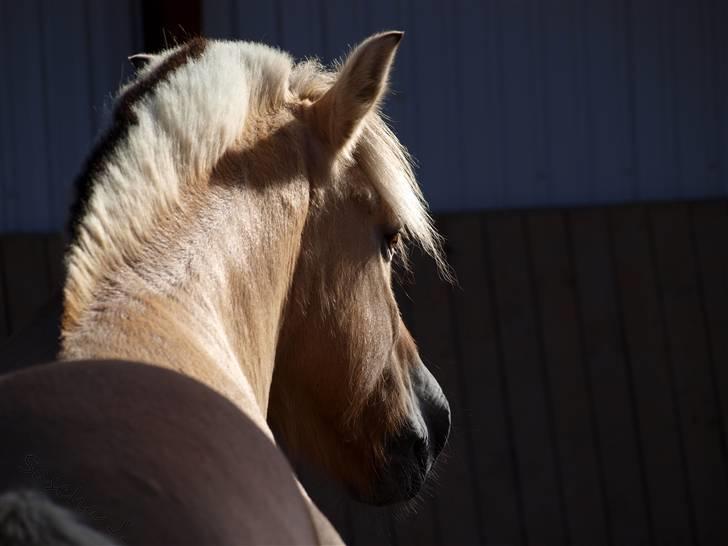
(413, 450)
(434, 411)
(437, 419)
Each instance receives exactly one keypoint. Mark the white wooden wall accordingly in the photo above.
(60, 63)
(520, 103)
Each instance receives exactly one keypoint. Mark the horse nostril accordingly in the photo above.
(438, 423)
(434, 411)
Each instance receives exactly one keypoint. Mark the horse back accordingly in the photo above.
(146, 456)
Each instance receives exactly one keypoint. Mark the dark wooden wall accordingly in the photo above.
(585, 356)
(61, 63)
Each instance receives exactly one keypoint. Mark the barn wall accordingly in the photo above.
(61, 62)
(503, 103)
(583, 353)
(512, 103)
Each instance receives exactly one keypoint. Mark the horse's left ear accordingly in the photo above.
(358, 88)
(140, 60)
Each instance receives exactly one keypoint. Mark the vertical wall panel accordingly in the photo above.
(496, 478)
(690, 359)
(63, 62)
(27, 192)
(654, 384)
(67, 97)
(720, 47)
(709, 39)
(480, 103)
(435, 81)
(710, 226)
(5, 126)
(563, 169)
(690, 68)
(527, 382)
(571, 395)
(608, 101)
(609, 372)
(520, 99)
(653, 108)
(111, 38)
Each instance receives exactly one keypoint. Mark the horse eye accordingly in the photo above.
(389, 245)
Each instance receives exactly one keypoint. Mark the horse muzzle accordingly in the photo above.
(413, 451)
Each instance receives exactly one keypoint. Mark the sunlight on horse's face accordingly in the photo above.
(349, 389)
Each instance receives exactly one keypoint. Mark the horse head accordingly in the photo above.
(350, 389)
(239, 224)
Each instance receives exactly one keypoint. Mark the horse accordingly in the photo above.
(238, 225)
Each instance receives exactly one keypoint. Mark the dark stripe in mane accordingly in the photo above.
(125, 118)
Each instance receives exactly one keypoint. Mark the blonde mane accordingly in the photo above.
(387, 161)
(177, 132)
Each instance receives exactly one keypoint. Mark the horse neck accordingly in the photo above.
(206, 296)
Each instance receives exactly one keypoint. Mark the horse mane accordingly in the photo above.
(387, 162)
(171, 126)
(124, 118)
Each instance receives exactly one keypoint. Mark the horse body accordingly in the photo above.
(144, 456)
(238, 225)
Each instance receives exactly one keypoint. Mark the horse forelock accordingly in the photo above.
(389, 167)
(386, 161)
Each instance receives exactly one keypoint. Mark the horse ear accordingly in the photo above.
(140, 60)
(358, 88)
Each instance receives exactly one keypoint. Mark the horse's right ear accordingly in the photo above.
(358, 88)
(140, 60)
